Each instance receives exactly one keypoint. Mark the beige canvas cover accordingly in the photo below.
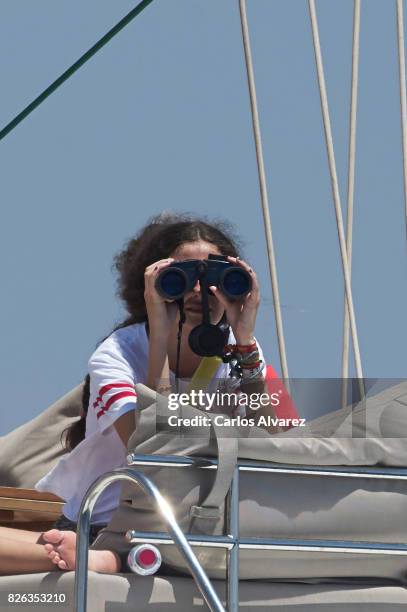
(30, 451)
(26, 454)
(129, 593)
(279, 505)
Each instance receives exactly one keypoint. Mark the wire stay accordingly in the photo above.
(72, 69)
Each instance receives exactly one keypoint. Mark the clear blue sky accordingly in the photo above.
(160, 120)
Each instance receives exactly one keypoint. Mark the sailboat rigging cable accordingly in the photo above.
(263, 189)
(345, 245)
(351, 190)
(335, 189)
(403, 101)
(75, 66)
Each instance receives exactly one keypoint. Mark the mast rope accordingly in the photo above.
(335, 189)
(263, 189)
(403, 103)
(72, 69)
(351, 190)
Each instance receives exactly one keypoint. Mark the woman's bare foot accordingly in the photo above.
(61, 550)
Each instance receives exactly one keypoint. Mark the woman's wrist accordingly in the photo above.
(243, 339)
(158, 337)
(158, 378)
(158, 368)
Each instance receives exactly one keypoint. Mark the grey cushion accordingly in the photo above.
(284, 506)
(126, 593)
(30, 451)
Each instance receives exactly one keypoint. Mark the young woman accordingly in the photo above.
(142, 349)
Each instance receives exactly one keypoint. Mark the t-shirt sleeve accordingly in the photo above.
(112, 381)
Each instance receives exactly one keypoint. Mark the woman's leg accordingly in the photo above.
(20, 535)
(19, 556)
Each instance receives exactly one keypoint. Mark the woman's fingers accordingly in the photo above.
(220, 297)
(151, 273)
(242, 314)
(239, 262)
(159, 263)
(252, 298)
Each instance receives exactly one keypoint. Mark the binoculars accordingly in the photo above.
(181, 277)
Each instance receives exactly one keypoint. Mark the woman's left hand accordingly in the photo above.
(241, 315)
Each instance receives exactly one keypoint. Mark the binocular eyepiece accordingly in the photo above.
(180, 277)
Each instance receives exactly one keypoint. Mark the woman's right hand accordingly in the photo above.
(161, 312)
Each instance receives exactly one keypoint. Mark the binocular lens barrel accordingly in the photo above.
(172, 283)
(235, 283)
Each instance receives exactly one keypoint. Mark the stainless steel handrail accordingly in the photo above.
(232, 554)
(246, 465)
(82, 545)
(227, 542)
(232, 542)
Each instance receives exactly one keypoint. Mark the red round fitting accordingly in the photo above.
(144, 559)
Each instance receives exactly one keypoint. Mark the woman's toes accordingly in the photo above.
(55, 558)
(51, 554)
(53, 536)
(62, 565)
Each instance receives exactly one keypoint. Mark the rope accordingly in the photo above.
(351, 190)
(72, 69)
(403, 103)
(263, 189)
(335, 189)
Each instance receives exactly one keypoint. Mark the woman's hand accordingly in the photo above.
(161, 313)
(241, 315)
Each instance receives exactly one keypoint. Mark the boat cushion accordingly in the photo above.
(126, 593)
(282, 506)
(30, 451)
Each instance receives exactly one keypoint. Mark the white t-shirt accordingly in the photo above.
(115, 367)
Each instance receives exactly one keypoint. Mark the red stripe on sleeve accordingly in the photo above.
(106, 388)
(114, 399)
(116, 385)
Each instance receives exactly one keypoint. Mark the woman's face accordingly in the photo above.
(200, 249)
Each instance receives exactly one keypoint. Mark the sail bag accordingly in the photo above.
(276, 505)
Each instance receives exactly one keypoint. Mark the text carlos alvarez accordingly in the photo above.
(238, 421)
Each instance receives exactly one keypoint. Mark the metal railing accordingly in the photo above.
(82, 545)
(230, 541)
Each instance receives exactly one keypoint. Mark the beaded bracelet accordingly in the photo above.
(246, 348)
(249, 357)
(250, 366)
(241, 348)
(249, 374)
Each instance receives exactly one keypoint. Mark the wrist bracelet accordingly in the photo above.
(252, 374)
(249, 357)
(241, 348)
(246, 348)
(250, 366)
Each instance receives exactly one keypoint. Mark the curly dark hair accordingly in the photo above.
(158, 239)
